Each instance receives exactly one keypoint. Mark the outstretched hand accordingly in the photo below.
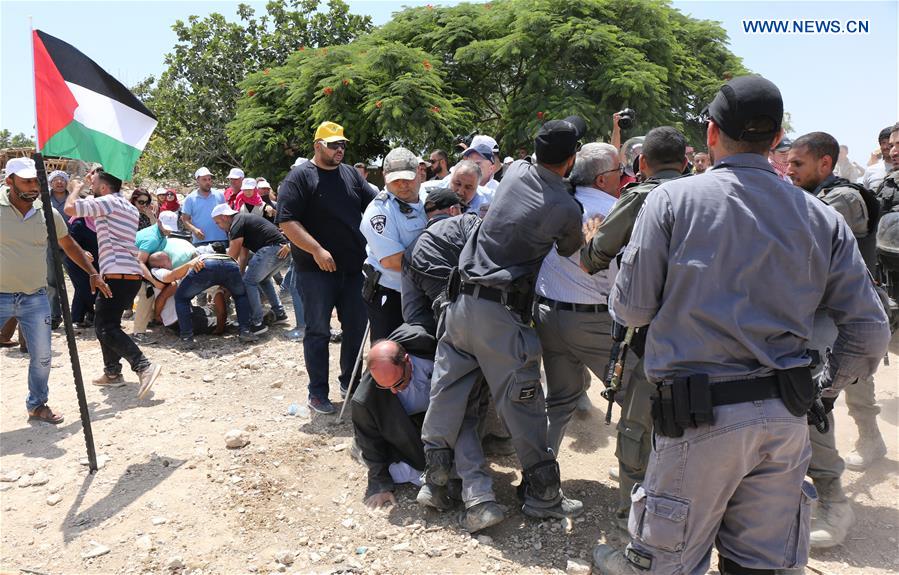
(383, 499)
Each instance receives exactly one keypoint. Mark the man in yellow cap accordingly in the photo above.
(320, 207)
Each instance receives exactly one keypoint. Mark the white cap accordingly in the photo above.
(299, 162)
(223, 210)
(235, 173)
(168, 220)
(160, 192)
(482, 140)
(263, 185)
(22, 167)
(248, 184)
(507, 160)
(204, 171)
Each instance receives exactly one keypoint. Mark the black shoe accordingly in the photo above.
(323, 406)
(55, 323)
(281, 319)
(187, 343)
(564, 508)
(344, 391)
(434, 496)
(247, 337)
(259, 329)
(336, 336)
(482, 516)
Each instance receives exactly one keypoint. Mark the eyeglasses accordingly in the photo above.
(170, 195)
(620, 169)
(144, 203)
(399, 382)
(336, 145)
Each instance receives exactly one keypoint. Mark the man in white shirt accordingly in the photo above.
(482, 151)
(876, 172)
(572, 315)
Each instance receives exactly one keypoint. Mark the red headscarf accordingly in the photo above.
(242, 199)
(170, 205)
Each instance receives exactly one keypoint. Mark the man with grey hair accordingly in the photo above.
(572, 315)
(464, 182)
(663, 159)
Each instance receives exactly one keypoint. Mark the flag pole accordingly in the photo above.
(56, 262)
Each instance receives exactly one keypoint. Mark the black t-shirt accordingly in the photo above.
(256, 231)
(329, 204)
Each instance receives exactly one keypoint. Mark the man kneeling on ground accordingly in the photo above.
(204, 320)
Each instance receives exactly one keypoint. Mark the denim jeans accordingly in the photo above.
(33, 313)
(258, 277)
(114, 342)
(216, 272)
(82, 300)
(342, 290)
(292, 280)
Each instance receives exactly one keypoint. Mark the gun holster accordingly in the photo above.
(685, 403)
(797, 389)
(370, 286)
(453, 285)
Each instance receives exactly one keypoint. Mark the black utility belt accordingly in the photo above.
(484, 292)
(578, 307)
(689, 401)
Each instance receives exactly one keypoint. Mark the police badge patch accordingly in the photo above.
(377, 222)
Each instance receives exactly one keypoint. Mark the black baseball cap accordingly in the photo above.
(784, 145)
(743, 100)
(440, 199)
(557, 140)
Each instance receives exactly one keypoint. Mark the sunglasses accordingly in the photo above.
(336, 145)
(144, 203)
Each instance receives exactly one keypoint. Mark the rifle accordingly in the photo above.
(617, 359)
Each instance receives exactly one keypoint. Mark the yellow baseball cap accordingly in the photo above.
(330, 132)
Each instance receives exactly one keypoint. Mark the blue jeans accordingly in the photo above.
(216, 272)
(292, 279)
(33, 313)
(342, 290)
(258, 277)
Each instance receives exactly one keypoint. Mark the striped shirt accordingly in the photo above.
(116, 220)
(562, 279)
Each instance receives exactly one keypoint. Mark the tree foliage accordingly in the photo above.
(503, 68)
(196, 96)
(10, 140)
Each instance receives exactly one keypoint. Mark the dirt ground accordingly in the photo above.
(170, 497)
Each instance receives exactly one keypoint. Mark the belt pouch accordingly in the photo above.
(700, 399)
(797, 390)
(680, 393)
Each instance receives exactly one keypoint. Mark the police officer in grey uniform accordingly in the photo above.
(533, 211)
(391, 222)
(663, 158)
(811, 162)
(730, 266)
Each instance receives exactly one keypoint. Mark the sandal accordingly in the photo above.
(45, 414)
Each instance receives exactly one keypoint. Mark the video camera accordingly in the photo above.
(626, 118)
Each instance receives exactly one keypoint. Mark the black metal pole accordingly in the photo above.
(66, 313)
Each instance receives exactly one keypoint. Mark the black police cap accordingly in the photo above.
(743, 100)
(440, 199)
(557, 140)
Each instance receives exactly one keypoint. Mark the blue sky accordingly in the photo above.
(843, 84)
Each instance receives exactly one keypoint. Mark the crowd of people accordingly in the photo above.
(737, 275)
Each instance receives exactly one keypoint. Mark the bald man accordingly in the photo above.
(388, 411)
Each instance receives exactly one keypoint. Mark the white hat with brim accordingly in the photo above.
(223, 210)
(263, 185)
(21, 167)
(168, 220)
(204, 171)
(248, 184)
(235, 173)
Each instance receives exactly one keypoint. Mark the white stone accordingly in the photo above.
(339, 447)
(237, 438)
(10, 476)
(208, 378)
(158, 520)
(95, 551)
(485, 540)
(53, 499)
(284, 557)
(404, 546)
(348, 523)
(577, 567)
(144, 542)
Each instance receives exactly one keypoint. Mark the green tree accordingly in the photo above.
(20, 140)
(503, 67)
(195, 97)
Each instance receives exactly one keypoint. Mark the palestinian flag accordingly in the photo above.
(83, 112)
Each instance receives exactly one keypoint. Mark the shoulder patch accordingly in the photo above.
(378, 222)
(382, 196)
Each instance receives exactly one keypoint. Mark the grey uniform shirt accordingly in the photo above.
(533, 209)
(730, 266)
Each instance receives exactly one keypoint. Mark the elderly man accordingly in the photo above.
(464, 181)
(572, 316)
(197, 210)
(58, 181)
(23, 275)
(391, 222)
(235, 182)
(250, 233)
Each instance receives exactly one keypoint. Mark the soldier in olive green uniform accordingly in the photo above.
(663, 159)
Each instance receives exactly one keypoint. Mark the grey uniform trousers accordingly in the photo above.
(737, 484)
(826, 462)
(634, 441)
(572, 342)
(483, 337)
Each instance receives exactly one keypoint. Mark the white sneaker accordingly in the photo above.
(147, 378)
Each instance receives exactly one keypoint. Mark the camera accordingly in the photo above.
(626, 118)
